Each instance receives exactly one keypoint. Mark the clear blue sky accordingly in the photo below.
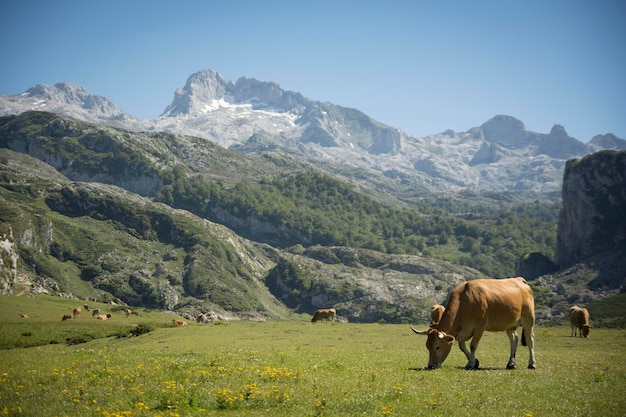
(421, 66)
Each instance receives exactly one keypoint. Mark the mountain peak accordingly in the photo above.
(200, 90)
(63, 96)
(608, 141)
(558, 131)
(506, 130)
(205, 87)
(558, 144)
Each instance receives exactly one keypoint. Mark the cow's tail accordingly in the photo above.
(523, 338)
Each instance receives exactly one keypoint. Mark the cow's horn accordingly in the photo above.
(419, 331)
(440, 335)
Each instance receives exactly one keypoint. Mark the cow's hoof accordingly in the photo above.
(531, 367)
(510, 366)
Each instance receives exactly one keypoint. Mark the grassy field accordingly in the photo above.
(288, 368)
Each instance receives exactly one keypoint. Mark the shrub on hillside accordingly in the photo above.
(142, 328)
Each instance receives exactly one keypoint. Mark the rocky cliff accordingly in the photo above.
(593, 217)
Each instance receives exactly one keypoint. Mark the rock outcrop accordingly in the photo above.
(8, 259)
(533, 265)
(593, 217)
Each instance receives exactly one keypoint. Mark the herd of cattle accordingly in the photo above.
(473, 307)
(481, 305)
(95, 313)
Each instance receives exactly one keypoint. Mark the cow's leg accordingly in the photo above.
(512, 333)
(472, 362)
(463, 348)
(530, 341)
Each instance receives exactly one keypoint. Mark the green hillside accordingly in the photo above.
(173, 222)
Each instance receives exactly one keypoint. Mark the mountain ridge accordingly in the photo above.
(251, 116)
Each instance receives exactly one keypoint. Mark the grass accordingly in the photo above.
(296, 368)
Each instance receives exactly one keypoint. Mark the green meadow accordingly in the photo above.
(89, 367)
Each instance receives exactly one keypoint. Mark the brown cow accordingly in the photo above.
(24, 316)
(96, 311)
(436, 312)
(128, 312)
(104, 316)
(177, 323)
(483, 304)
(86, 307)
(324, 313)
(67, 317)
(579, 319)
(77, 311)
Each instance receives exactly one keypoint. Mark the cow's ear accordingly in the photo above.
(449, 339)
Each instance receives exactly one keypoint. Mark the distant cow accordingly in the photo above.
(483, 304)
(96, 311)
(324, 313)
(24, 316)
(207, 318)
(104, 316)
(67, 317)
(435, 314)
(128, 312)
(86, 307)
(579, 319)
(177, 323)
(77, 311)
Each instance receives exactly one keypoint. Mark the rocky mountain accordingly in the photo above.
(249, 115)
(70, 99)
(79, 214)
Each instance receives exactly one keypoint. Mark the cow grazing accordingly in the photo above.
(67, 317)
(77, 311)
(128, 312)
(96, 312)
(579, 319)
(436, 312)
(177, 323)
(483, 304)
(104, 316)
(86, 307)
(24, 316)
(324, 313)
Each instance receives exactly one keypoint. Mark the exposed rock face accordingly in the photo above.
(8, 259)
(593, 217)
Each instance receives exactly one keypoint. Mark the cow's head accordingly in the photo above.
(586, 330)
(438, 344)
